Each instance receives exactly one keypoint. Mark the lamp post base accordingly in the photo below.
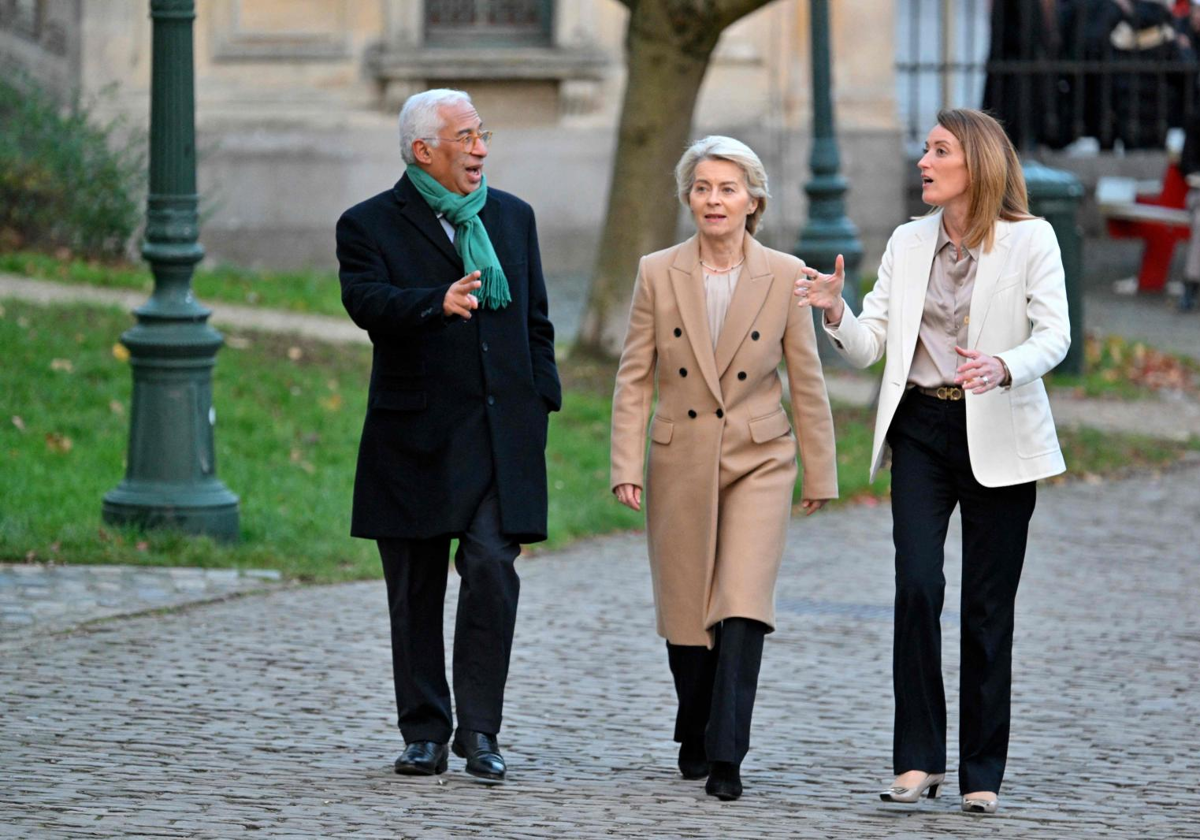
(209, 509)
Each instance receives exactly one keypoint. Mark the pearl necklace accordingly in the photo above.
(715, 270)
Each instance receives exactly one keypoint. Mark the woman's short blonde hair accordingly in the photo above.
(996, 182)
(717, 147)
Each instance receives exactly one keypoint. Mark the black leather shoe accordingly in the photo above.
(693, 763)
(423, 758)
(482, 754)
(724, 781)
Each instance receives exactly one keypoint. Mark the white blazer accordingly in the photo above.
(1018, 312)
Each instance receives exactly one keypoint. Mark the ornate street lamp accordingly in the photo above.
(829, 231)
(171, 478)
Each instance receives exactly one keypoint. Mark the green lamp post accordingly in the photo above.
(829, 231)
(171, 477)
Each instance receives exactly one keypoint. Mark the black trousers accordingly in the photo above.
(931, 474)
(716, 689)
(416, 574)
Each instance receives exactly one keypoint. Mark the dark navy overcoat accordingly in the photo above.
(454, 404)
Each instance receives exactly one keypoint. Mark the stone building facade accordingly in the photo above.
(297, 103)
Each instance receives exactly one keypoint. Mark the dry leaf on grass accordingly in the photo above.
(58, 442)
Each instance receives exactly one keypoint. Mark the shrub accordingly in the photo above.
(65, 181)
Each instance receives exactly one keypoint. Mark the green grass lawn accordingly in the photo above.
(311, 291)
(289, 417)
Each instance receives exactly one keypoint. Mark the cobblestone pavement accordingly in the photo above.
(270, 716)
(39, 599)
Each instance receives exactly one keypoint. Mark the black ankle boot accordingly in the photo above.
(693, 763)
(724, 780)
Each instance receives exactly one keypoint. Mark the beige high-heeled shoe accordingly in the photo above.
(980, 805)
(932, 782)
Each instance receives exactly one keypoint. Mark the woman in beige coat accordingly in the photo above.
(711, 320)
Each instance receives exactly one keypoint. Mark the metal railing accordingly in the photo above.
(1054, 71)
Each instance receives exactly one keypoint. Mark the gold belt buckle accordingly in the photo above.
(949, 392)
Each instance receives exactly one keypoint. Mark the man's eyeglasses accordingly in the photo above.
(468, 140)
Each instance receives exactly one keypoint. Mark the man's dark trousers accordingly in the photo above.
(416, 574)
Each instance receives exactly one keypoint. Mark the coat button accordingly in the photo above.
(678, 332)
(754, 335)
(683, 371)
(692, 413)
(720, 413)
(742, 375)
(491, 400)
(484, 346)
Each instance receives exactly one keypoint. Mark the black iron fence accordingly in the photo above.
(1054, 71)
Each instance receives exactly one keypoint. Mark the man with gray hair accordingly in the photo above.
(446, 277)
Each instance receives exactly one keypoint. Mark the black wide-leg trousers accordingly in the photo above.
(931, 474)
(716, 689)
(415, 571)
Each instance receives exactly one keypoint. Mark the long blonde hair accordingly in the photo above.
(995, 182)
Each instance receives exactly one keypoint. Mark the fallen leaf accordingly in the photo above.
(23, 322)
(58, 442)
(79, 338)
(63, 365)
(19, 423)
(296, 455)
(30, 556)
(116, 407)
(142, 545)
(54, 547)
(295, 354)
(120, 352)
(332, 403)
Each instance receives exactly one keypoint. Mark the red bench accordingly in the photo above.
(1161, 220)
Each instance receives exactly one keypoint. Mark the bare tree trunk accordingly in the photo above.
(668, 47)
(656, 120)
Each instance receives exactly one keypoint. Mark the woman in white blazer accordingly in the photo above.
(970, 312)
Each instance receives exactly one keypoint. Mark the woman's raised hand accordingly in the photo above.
(824, 291)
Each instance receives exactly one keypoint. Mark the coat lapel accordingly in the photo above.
(419, 214)
(748, 298)
(987, 273)
(918, 261)
(687, 282)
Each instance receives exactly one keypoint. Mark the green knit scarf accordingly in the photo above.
(470, 236)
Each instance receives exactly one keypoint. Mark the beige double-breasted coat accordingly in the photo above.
(722, 456)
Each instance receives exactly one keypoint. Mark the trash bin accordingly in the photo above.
(1055, 196)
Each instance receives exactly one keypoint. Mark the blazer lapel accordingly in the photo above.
(419, 214)
(987, 273)
(687, 281)
(748, 298)
(918, 261)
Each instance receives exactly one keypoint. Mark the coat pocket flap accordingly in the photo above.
(398, 400)
(770, 427)
(661, 430)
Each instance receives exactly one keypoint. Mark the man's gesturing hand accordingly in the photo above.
(459, 300)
